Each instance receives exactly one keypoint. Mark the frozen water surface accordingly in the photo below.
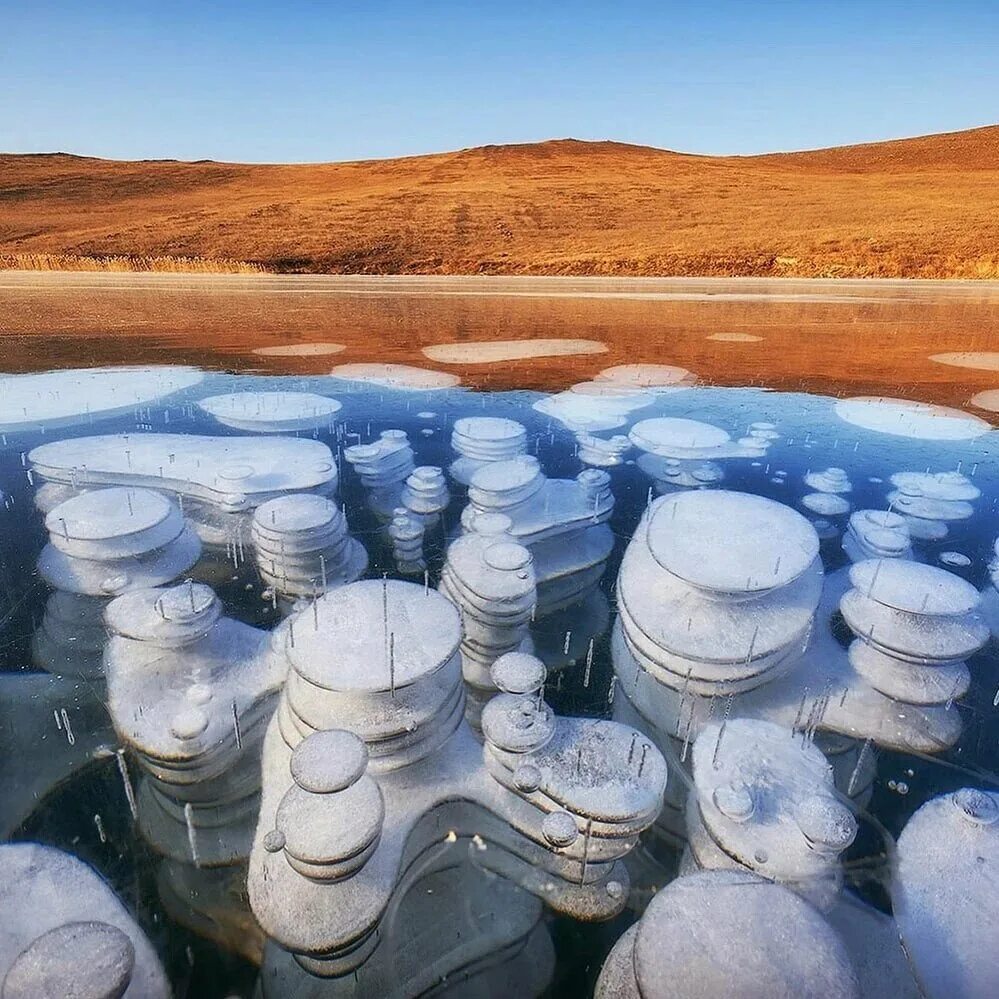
(364, 683)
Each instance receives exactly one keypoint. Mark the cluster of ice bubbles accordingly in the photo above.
(388, 740)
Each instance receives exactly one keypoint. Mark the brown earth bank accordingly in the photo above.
(915, 208)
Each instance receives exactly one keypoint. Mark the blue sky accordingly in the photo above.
(297, 81)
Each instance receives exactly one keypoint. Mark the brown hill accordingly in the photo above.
(923, 207)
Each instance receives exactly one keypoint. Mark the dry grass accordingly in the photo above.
(914, 208)
(122, 264)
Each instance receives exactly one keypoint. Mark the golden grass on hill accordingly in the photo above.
(920, 208)
(166, 265)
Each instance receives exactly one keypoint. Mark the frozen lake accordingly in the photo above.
(738, 534)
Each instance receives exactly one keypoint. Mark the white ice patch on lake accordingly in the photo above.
(271, 412)
(905, 418)
(396, 376)
(493, 351)
(62, 398)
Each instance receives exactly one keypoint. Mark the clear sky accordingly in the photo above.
(299, 81)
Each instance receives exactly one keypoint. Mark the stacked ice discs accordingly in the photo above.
(72, 636)
(384, 465)
(406, 532)
(679, 453)
(191, 692)
(877, 534)
(600, 452)
(329, 821)
(931, 501)
(491, 579)
(828, 496)
(271, 412)
(303, 546)
(425, 494)
(379, 658)
(717, 591)
(562, 521)
(103, 543)
(480, 440)
(915, 625)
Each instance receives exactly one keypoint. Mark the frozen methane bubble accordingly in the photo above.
(562, 522)
(191, 691)
(877, 534)
(494, 351)
(905, 418)
(384, 466)
(828, 496)
(915, 625)
(657, 377)
(764, 800)
(85, 960)
(728, 933)
(978, 360)
(600, 452)
(271, 412)
(987, 400)
(425, 494)
(680, 453)
(330, 819)
(931, 501)
(490, 578)
(589, 407)
(53, 399)
(735, 337)
(303, 547)
(314, 349)
(66, 934)
(990, 595)
(943, 894)
(480, 440)
(406, 533)
(101, 544)
(380, 659)
(955, 560)
(717, 591)
(217, 480)
(404, 377)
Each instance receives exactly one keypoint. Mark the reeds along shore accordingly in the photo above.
(137, 264)
(983, 268)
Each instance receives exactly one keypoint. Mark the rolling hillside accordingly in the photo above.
(924, 207)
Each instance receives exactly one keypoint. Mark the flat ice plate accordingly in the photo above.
(62, 398)
(730, 542)
(370, 635)
(397, 376)
(488, 428)
(261, 410)
(209, 468)
(905, 418)
(669, 432)
(914, 587)
(295, 513)
(730, 933)
(108, 513)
